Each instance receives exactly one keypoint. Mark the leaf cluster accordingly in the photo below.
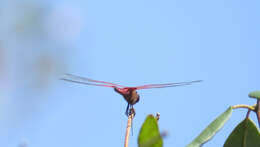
(245, 134)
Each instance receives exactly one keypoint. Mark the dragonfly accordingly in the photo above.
(129, 93)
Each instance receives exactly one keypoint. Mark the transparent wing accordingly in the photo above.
(87, 81)
(148, 86)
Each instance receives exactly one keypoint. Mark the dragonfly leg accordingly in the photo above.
(127, 110)
(131, 110)
(132, 114)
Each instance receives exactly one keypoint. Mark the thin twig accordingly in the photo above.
(247, 114)
(244, 106)
(128, 127)
(257, 110)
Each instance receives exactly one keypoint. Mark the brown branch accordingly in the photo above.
(247, 114)
(257, 110)
(128, 127)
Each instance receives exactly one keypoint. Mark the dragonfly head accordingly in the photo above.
(122, 91)
(125, 91)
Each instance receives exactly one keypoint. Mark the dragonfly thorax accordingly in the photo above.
(129, 94)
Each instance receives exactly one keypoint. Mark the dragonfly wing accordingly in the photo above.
(87, 81)
(148, 86)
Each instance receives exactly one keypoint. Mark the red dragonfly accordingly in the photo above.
(129, 93)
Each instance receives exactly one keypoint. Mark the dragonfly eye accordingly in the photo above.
(117, 90)
(121, 90)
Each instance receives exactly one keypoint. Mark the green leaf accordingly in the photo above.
(149, 135)
(254, 94)
(245, 134)
(212, 129)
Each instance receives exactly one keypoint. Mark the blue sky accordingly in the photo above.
(131, 43)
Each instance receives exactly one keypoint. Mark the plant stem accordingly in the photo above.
(257, 110)
(247, 114)
(128, 127)
(244, 106)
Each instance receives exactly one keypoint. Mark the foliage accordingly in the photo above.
(254, 94)
(245, 134)
(149, 135)
(212, 129)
